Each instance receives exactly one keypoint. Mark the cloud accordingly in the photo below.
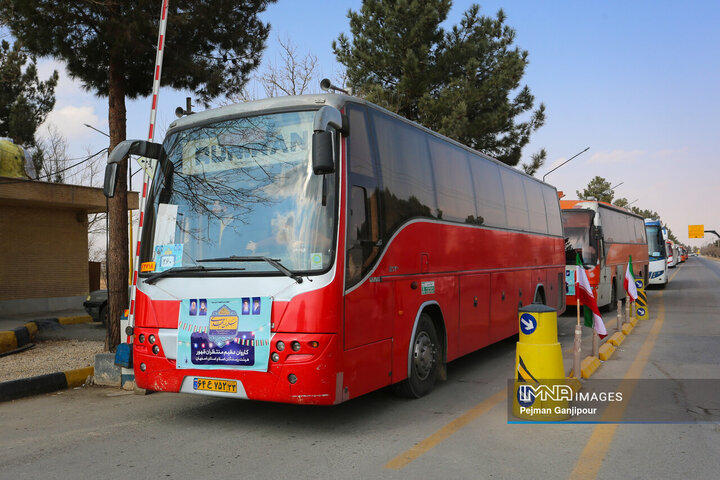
(70, 121)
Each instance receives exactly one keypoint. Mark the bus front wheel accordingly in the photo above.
(425, 360)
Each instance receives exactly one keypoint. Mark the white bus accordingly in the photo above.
(657, 253)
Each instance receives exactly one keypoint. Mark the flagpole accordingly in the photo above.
(627, 308)
(595, 343)
(578, 342)
(578, 311)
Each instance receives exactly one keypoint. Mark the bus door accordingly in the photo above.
(369, 299)
(605, 284)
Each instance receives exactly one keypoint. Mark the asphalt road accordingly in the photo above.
(461, 430)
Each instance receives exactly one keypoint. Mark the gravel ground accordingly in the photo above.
(49, 356)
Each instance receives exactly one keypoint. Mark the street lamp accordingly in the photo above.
(93, 128)
(566, 161)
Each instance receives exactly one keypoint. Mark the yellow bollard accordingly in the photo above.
(641, 306)
(541, 391)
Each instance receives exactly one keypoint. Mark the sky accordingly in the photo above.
(635, 81)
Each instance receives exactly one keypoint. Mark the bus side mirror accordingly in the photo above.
(110, 179)
(121, 150)
(323, 153)
(327, 120)
(597, 232)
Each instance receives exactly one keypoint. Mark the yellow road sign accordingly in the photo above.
(696, 231)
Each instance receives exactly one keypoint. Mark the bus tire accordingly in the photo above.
(425, 361)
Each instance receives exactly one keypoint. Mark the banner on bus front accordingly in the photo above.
(224, 333)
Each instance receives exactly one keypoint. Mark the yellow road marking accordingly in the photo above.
(593, 455)
(424, 446)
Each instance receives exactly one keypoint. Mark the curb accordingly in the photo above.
(17, 337)
(74, 320)
(20, 336)
(50, 382)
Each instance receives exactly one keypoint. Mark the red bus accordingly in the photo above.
(605, 236)
(312, 249)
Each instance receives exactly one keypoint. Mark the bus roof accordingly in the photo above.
(594, 205)
(266, 105)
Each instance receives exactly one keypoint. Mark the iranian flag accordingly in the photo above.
(587, 299)
(629, 281)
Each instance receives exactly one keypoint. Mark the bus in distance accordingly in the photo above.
(657, 253)
(672, 253)
(605, 236)
(311, 249)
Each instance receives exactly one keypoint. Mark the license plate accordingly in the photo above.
(213, 385)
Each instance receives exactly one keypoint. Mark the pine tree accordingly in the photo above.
(210, 47)
(25, 101)
(459, 83)
(597, 189)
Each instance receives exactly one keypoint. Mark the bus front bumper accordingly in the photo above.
(305, 376)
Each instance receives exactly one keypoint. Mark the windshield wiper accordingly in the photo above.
(179, 270)
(274, 262)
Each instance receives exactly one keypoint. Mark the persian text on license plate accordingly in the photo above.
(213, 385)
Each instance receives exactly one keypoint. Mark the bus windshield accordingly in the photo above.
(578, 236)
(655, 242)
(242, 187)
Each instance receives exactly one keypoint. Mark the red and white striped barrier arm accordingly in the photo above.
(151, 137)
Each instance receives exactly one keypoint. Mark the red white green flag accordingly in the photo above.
(629, 281)
(584, 293)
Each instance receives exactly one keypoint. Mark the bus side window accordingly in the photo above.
(363, 222)
(361, 237)
(357, 225)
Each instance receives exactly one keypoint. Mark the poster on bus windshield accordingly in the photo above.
(224, 333)
(570, 281)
